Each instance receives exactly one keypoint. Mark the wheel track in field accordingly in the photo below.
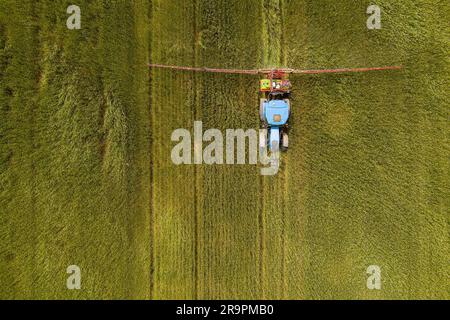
(284, 215)
(152, 162)
(273, 55)
(197, 175)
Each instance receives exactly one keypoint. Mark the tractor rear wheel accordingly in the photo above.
(284, 141)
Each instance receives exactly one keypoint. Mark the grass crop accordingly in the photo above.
(86, 176)
(75, 150)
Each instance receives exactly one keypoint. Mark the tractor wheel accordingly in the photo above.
(261, 109)
(284, 141)
(289, 105)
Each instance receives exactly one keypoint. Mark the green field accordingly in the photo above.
(86, 176)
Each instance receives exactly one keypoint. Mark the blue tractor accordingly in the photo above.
(274, 111)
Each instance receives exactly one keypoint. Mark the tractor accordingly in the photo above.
(275, 110)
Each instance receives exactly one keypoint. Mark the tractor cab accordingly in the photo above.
(276, 83)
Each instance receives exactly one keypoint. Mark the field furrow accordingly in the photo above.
(174, 187)
(229, 256)
(273, 215)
